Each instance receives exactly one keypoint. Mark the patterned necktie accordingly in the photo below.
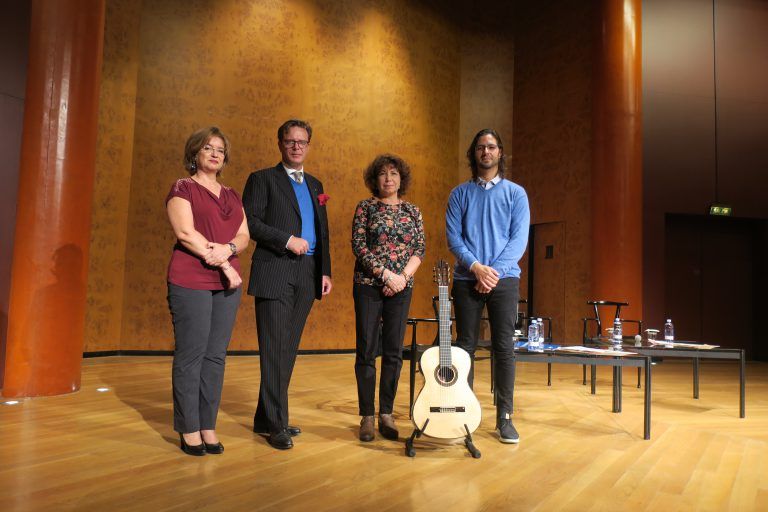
(298, 176)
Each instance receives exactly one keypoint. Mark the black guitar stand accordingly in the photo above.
(417, 432)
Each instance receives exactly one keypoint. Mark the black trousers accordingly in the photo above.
(501, 303)
(280, 323)
(374, 313)
(202, 327)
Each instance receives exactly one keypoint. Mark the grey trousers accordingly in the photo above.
(202, 326)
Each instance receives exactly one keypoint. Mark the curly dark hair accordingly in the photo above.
(195, 143)
(471, 151)
(380, 163)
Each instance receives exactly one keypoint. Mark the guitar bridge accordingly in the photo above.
(448, 409)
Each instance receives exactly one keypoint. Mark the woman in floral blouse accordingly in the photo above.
(388, 242)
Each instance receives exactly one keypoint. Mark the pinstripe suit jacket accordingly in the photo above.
(273, 215)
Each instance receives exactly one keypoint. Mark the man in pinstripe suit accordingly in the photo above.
(291, 267)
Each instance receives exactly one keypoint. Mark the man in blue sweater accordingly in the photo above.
(487, 227)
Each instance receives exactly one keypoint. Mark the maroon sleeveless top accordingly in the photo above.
(218, 220)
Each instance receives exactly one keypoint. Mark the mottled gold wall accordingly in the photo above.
(552, 135)
(114, 156)
(370, 77)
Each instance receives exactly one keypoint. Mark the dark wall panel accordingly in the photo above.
(705, 79)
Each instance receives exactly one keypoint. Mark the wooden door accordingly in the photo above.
(710, 289)
(547, 272)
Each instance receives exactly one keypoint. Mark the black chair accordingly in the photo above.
(598, 332)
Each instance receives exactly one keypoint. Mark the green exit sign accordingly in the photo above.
(720, 209)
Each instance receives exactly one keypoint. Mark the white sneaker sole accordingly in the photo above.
(507, 441)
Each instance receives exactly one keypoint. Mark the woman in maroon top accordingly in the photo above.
(203, 286)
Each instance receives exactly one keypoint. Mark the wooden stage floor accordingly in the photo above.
(116, 450)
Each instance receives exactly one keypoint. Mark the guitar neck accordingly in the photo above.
(444, 325)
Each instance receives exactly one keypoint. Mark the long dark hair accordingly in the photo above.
(471, 151)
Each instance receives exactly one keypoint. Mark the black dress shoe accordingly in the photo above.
(196, 450)
(214, 449)
(292, 430)
(280, 440)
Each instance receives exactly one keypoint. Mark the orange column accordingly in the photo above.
(48, 283)
(617, 157)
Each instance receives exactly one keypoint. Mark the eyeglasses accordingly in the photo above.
(490, 147)
(290, 143)
(211, 149)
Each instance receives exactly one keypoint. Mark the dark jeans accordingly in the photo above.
(374, 313)
(280, 323)
(501, 304)
(202, 327)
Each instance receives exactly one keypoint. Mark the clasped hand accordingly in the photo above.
(232, 276)
(217, 254)
(487, 277)
(395, 283)
(297, 245)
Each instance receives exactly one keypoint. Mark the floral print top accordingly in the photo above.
(385, 236)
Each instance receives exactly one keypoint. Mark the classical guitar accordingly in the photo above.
(446, 406)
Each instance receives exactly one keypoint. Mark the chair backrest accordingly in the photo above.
(596, 321)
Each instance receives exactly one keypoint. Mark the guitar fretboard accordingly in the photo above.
(444, 326)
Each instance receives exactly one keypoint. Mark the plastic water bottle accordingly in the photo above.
(539, 340)
(617, 336)
(533, 334)
(540, 324)
(669, 330)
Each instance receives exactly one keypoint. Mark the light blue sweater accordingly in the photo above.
(488, 226)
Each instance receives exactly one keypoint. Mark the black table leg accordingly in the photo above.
(742, 384)
(696, 362)
(616, 389)
(593, 376)
(412, 369)
(639, 373)
(647, 404)
(549, 374)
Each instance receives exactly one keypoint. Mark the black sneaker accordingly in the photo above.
(507, 432)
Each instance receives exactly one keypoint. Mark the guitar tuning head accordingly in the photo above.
(441, 273)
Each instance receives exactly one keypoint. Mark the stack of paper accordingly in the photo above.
(681, 344)
(596, 351)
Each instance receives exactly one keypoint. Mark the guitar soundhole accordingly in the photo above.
(446, 375)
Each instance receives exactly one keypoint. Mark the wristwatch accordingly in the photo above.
(233, 247)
